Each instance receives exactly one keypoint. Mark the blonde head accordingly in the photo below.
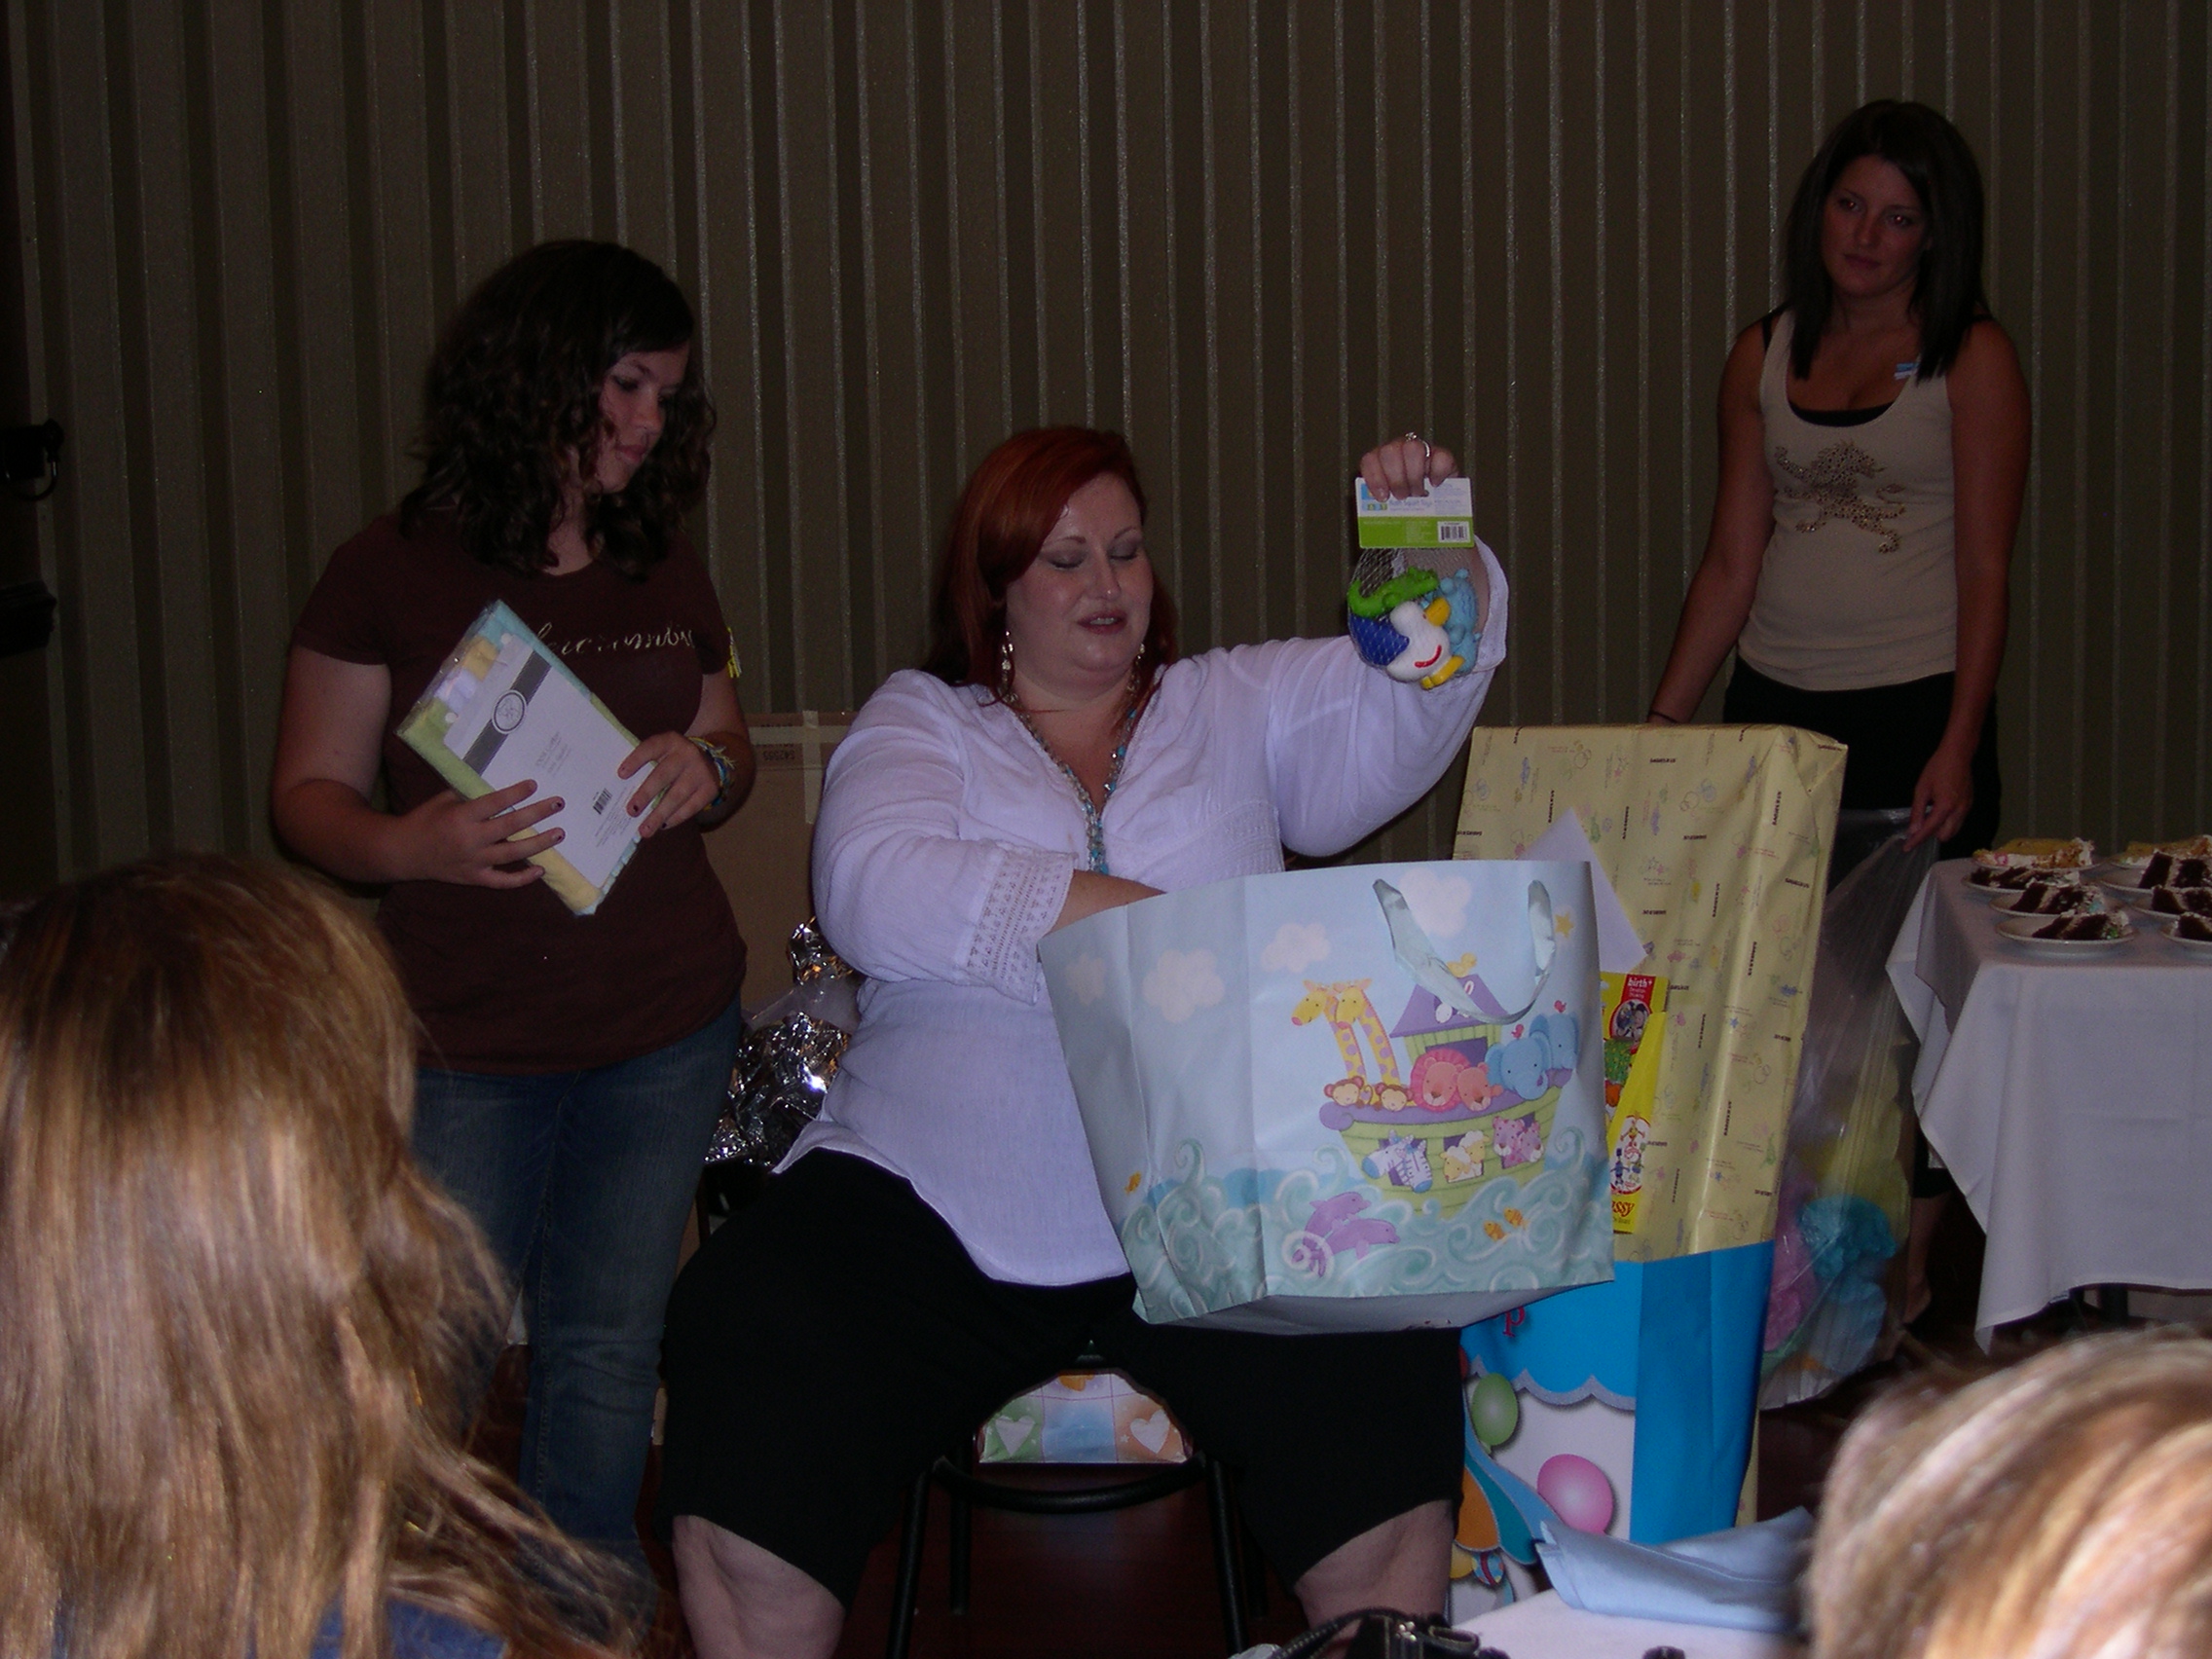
(2061, 1509)
(235, 1312)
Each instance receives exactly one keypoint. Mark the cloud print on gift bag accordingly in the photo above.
(1296, 947)
(1087, 978)
(1438, 903)
(1181, 982)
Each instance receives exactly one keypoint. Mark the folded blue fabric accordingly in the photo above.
(1743, 1578)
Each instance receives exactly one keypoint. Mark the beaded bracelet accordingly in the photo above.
(719, 758)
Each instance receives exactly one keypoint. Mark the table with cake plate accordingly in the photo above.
(2069, 1090)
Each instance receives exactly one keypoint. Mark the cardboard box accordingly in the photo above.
(761, 854)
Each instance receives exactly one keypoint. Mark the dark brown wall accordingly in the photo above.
(1257, 236)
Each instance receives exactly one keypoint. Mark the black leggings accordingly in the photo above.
(1891, 731)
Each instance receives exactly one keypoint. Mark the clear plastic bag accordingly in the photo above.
(1844, 1204)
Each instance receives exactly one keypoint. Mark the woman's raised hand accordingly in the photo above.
(1406, 467)
(681, 775)
(448, 838)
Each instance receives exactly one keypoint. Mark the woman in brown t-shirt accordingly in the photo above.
(573, 1065)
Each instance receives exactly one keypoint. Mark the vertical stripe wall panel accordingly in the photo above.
(1255, 235)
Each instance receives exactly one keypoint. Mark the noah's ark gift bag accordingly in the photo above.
(1361, 1098)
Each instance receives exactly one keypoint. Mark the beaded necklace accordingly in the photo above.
(1093, 816)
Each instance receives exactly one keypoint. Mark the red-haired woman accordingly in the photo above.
(1054, 758)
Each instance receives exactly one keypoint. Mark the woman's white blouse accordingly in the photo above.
(943, 854)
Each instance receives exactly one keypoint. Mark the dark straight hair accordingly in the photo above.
(1947, 297)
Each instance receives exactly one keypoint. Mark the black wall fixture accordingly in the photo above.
(31, 456)
(27, 617)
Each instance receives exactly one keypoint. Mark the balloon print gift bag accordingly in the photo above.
(1362, 1098)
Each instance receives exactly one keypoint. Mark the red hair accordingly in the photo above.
(1001, 520)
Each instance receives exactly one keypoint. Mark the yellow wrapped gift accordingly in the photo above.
(1717, 839)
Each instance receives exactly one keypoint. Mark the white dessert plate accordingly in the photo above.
(2195, 946)
(2021, 929)
(2126, 893)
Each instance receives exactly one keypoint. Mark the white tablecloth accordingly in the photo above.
(2071, 1098)
(1544, 1627)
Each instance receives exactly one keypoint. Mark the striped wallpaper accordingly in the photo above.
(1255, 235)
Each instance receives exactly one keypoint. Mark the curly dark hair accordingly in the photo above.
(512, 394)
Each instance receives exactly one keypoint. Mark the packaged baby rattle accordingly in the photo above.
(1410, 607)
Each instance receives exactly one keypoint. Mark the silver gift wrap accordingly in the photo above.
(784, 1064)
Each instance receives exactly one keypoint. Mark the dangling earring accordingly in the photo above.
(1006, 668)
(1136, 670)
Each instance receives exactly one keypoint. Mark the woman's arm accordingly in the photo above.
(1720, 593)
(907, 883)
(683, 776)
(1348, 747)
(328, 738)
(1989, 470)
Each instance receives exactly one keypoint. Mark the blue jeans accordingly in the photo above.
(581, 1181)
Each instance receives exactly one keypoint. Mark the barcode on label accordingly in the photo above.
(600, 801)
(1449, 531)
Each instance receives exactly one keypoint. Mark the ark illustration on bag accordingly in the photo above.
(1478, 1077)
(1276, 1151)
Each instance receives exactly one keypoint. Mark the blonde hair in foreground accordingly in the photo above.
(235, 1314)
(2061, 1509)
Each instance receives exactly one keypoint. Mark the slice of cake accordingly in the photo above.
(2017, 878)
(2083, 927)
(2039, 853)
(2177, 869)
(2139, 853)
(2199, 928)
(2045, 898)
(2182, 900)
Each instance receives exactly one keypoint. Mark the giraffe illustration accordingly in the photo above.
(1321, 1003)
(1354, 1010)
(1349, 1012)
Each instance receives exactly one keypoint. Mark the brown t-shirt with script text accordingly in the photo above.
(510, 979)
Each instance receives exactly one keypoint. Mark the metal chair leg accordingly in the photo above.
(1255, 1568)
(1222, 1512)
(962, 1539)
(908, 1585)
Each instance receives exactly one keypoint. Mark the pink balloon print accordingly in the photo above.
(1578, 1490)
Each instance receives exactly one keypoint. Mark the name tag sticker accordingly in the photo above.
(1443, 517)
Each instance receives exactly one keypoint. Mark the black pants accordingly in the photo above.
(1891, 731)
(833, 1338)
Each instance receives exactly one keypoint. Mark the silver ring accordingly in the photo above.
(1415, 438)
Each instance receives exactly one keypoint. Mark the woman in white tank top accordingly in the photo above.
(1874, 449)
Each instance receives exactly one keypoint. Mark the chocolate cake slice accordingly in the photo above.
(2017, 879)
(2054, 899)
(2170, 869)
(2199, 928)
(2183, 901)
(2096, 925)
